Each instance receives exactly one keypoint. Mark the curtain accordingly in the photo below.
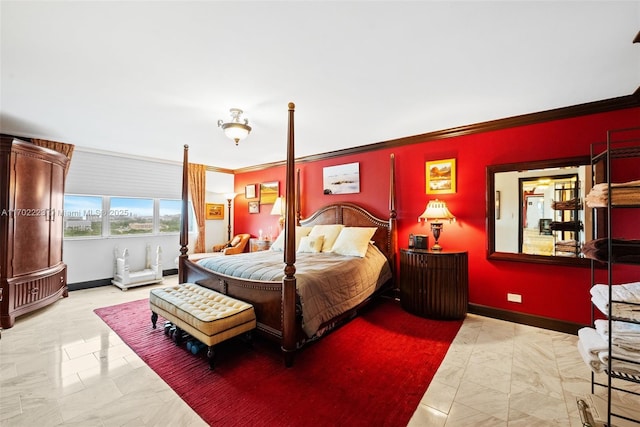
(60, 147)
(197, 179)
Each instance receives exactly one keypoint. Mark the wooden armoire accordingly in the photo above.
(32, 273)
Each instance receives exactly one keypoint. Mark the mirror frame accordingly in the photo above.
(491, 212)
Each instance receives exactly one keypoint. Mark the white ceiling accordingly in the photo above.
(146, 77)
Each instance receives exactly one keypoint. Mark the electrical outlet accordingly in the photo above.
(514, 298)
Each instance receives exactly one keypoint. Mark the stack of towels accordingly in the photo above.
(624, 193)
(593, 346)
(625, 297)
(593, 343)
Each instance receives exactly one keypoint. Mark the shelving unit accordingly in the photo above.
(567, 223)
(616, 262)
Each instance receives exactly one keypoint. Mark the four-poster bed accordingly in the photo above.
(277, 303)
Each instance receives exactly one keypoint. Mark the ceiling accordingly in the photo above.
(146, 77)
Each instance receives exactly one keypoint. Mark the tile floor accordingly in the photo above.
(62, 365)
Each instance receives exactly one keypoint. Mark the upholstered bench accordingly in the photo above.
(206, 315)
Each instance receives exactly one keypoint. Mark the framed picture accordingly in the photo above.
(214, 211)
(250, 191)
(341, 179)
(269, 192)
(441, 176)
(254, 207)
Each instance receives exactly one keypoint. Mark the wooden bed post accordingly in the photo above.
(392, 216)
(289, 281)
(298, 207)
(184, 217)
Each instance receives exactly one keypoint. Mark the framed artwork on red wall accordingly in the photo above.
(254, 207)
(250, 191)
(269, 192)
(341, 179)
(441, 176)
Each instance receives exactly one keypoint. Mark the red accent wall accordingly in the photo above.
(555, 292)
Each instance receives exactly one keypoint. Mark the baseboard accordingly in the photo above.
(526, 319)
(107, 282)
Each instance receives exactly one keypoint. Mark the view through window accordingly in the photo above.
(102, 216)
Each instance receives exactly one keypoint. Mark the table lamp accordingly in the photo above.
(436, 211)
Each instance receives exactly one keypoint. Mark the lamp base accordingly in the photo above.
(436, 227)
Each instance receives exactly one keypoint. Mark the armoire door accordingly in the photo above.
(31, 204)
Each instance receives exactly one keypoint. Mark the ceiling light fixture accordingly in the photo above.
(238, 128)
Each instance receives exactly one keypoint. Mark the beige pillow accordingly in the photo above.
(330, 233)
(353, 241)
(278, 244)
(311, 244)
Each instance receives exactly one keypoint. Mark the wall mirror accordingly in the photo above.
(536, 212)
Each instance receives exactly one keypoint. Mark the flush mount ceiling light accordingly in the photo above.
(238, 128)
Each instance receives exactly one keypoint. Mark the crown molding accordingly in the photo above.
(595, 107)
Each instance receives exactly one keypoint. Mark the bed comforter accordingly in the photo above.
(328, 284)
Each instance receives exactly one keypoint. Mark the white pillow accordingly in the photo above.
(330, 233)
(278, 244)
(312, 244)
(353, 241)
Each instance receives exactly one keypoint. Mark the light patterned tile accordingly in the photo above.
(487, 377)
(439, 396)
(426, 416)
(89, 400)
(465, 416)
(521, 419)
(483, 399)
(39, 412)
(498, 361)
(540, 382)
(540, 406)
(450, 373)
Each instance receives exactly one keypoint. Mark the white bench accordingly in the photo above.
(206, 315)
(124, 278)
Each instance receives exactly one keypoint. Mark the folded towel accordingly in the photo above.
(592, 360)
(594, 350)
(625, 335)
(566, 204)
(630, 363)
(622, 250)
(625, 297)
(592, 341)
(623, 193)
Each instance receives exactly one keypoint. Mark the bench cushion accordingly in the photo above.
(210, 315)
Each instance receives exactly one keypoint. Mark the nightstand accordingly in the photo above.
(434, 284)
(257, 245)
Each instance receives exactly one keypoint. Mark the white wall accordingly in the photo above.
(506, 229)
(102, 173)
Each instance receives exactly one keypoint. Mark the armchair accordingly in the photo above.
(233, 246)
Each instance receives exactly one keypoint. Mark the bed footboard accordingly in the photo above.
(266, 297)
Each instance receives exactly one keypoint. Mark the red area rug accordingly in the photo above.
(372, 371)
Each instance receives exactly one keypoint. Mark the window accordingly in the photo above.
(82, 216)
(128, 215)
(169, 216)
(88, 216)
